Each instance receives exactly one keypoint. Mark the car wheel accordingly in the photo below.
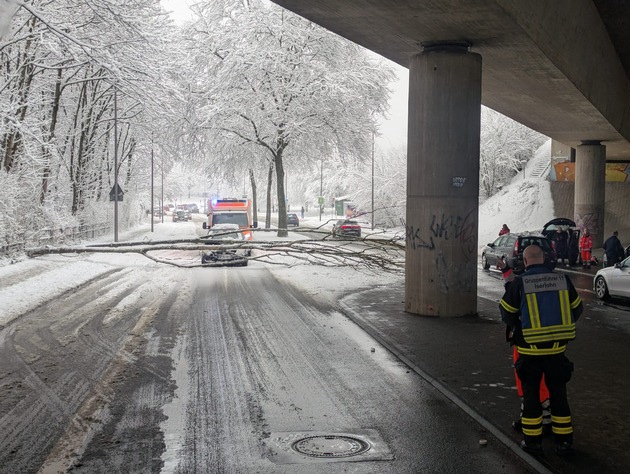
(601, 289)
(484, 262)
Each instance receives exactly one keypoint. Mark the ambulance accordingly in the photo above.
(231, 211)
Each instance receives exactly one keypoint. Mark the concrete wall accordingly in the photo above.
(617, 208)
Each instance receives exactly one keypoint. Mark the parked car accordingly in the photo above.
(346, 228)
(292, 219)
(193, 208)
(225, 234)
(613, 281)
(511, 246)
(181, 215)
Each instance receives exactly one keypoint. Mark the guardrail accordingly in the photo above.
(18, 243)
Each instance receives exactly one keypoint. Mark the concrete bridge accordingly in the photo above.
(561, 67)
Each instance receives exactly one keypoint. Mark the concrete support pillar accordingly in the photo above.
(590, 189)
(443, 181)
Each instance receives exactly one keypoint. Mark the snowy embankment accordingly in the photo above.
(524, 205)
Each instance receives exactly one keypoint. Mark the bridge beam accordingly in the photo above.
(443, 180)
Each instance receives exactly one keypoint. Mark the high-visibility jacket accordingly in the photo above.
(586, 242)
(542, 306)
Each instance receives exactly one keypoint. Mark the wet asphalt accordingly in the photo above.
(468, 360)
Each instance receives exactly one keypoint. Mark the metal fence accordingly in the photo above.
(10, 244)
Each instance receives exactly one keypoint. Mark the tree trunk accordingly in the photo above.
(27, 73)
(269, 185)
(51, 137)
(252, 180)
(282, 204)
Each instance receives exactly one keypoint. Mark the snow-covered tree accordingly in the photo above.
(62, 63)
(504, 146)
(287, 90)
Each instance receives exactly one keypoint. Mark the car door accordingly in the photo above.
(619, 281)
(495, 250)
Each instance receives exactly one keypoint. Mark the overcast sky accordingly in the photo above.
(393, 131)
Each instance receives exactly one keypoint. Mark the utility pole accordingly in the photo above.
(321, 188)
(116, 164)
(372, 180)
(152, 196)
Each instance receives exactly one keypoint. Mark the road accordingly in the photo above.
(150, 368)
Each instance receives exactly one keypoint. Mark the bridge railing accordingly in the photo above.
(10, 244)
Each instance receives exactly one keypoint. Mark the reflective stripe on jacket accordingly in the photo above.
(543, 307)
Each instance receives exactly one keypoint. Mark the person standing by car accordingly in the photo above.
(613, 249)
(561, 242)
(542, 307)
(504, 230)
(586, 247)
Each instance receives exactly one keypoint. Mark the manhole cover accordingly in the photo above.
(330, 446)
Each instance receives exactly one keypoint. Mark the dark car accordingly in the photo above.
(225, 234)
(346, 228)
(193, 208)
(180, 215)
(292, 219)
(511, 246)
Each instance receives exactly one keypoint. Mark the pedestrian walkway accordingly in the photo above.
(468, 359)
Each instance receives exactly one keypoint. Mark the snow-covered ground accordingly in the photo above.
(526, 204)
(523, 205)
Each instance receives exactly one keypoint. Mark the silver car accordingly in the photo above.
(613, 281)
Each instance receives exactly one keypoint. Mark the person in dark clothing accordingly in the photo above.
(613, 249)
(541, 308)
(561, 244)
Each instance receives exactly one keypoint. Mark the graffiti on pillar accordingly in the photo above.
(463, 228)
(415, 240)
(588, 221)
(446, 227)
(462, 273)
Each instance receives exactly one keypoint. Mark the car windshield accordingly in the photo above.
(238, 218)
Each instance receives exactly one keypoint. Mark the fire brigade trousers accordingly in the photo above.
(557, 370)
(586, 257)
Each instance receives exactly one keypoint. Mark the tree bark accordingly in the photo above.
(51, 136)
(282, 204)
(252, 180)
(269, 185)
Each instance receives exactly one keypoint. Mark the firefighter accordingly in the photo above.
(541, 307)
(586, 247)
(508, 277)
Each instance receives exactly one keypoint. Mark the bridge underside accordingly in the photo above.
(558, 67)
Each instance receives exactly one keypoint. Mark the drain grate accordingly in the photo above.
(332, 446)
